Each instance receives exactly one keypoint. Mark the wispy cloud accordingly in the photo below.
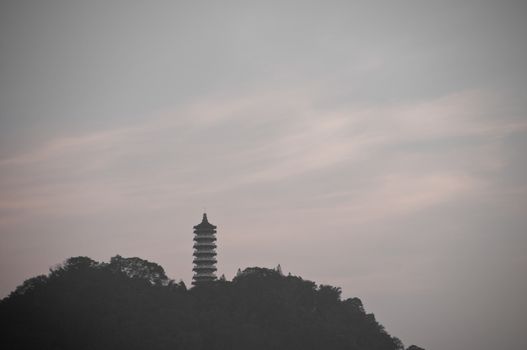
(219, 145)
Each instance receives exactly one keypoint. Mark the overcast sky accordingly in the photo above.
(379, 146)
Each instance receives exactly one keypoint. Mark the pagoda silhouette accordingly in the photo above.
(204, 252)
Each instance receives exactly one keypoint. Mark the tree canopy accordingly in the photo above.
(130, 303)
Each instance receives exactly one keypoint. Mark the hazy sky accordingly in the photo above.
(379, 146)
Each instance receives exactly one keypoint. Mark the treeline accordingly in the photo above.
(129, 303)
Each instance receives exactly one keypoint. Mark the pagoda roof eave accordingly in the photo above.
(205, 226)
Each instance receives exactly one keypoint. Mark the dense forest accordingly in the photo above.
(129, 303)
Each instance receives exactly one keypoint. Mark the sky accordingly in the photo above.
(379, 146)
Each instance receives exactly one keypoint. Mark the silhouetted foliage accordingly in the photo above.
(414, 347)
(129, 303)
(139, 268)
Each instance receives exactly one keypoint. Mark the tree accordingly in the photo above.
(74, 264)
(130, 304)
(31, 284)
(139, 268)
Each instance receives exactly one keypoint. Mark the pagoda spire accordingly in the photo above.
(204, 252)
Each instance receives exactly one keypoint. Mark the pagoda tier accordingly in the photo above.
(204, 252)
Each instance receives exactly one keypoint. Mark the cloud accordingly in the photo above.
(403, 194)
(223, 144)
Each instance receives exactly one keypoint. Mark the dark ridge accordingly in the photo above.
(129, 303)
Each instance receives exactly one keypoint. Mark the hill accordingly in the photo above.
(129, 303)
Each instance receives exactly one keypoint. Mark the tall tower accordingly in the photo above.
(204, 252)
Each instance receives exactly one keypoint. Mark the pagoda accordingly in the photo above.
(204, 252)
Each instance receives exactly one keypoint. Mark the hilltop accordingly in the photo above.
(130, 303)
